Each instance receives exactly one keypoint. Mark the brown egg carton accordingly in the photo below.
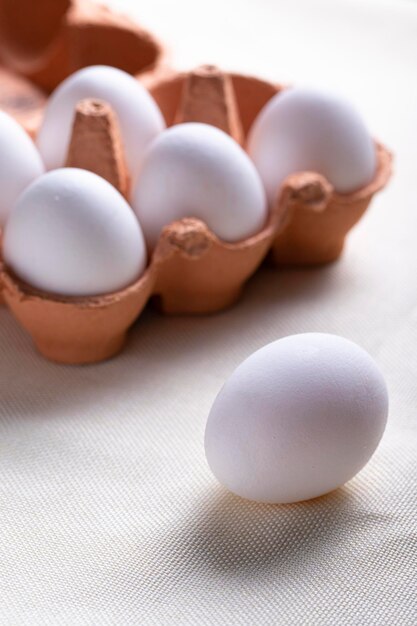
(42, 42)
(191, 271)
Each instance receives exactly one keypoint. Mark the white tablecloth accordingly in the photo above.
(108, 512)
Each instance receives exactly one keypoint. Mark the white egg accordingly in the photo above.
(197, 170)
(303, 129)
(139, 117)
(20, 163)
(297, 419)
(72, 233)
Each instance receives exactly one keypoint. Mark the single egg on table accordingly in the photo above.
(297, 419)
(139, 117)
(72, 233)
(304, 129)
(197, 170)
(20, 163)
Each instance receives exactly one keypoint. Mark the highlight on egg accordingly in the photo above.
(297, 419)
(197, 170)
(20, 163)
(139, 117)
(305, 129)
(71, 233)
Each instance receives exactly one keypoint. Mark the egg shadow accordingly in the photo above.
(234, 536)
(267, 300)
(232, 539)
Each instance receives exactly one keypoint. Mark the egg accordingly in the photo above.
(197, 170)
(304, 129)
(20, 163)
(72, 233)
(139, 117)
(297, 419)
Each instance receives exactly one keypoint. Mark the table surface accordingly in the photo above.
(108, 512)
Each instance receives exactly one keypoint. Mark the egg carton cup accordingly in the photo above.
(317, 217)
(76, 330)
(42, 42)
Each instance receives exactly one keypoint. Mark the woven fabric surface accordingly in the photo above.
(108, 511)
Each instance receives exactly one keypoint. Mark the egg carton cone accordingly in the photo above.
(317, 218)
(208, 97)
(47, 40)
(96, 144)
(242, 97)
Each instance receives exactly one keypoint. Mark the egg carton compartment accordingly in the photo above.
(191, 271)
(43, 42)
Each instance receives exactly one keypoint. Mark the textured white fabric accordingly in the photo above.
(108, 512)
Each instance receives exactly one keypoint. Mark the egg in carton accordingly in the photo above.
(43, 42)
(317, 217)
(191, 271)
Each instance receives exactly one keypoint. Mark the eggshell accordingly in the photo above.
(196, 170)
(297, 419)
(139, 117)
(304, 129)
(20, 163)
(72, 233)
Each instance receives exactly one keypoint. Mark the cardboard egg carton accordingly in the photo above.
(191, 271)
(42, 42)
